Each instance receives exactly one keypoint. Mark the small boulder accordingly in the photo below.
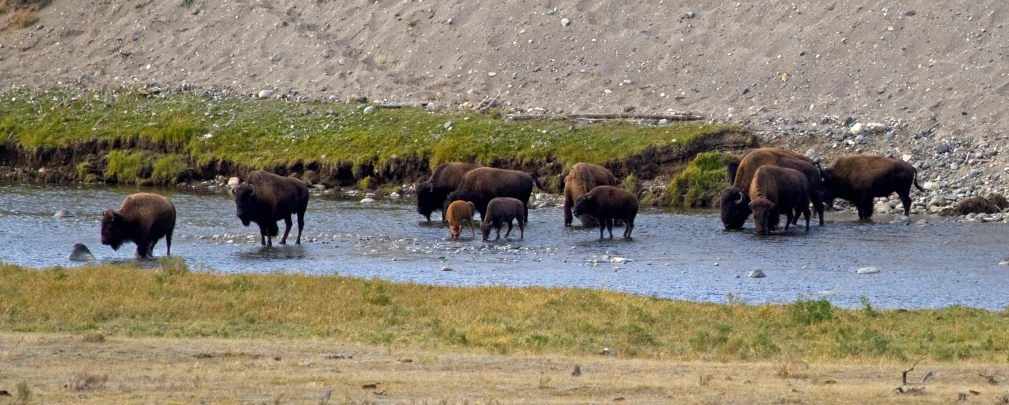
(64, 214)
(234, 181)
(265, 93)
(868, 270)
(757, 273)
(80, 253)
(367, 200)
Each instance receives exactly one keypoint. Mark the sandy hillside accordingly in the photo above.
(933, 73)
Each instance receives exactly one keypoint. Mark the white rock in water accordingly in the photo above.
(868, 270)
(234, 181)
(367, 200)
(620, 260)
(64, 214)
(265, 93)
(394, 195)
(1004, 263)
(446, 268)
(80, 253)
(757, 273)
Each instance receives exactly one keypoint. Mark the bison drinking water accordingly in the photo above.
(582, 178)
(735, 209)
(445, 179)
(266, 198)
(142, 219)
(460, 213)
(860, 178)
(606, 203)
(774, 190)
(481, 185)
(501, 211)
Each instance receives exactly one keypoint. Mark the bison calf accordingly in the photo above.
(266, 198)
(460, 213)
(483, 184)
(501, 211)
(774, 190)
(606, 203)
(142, 219)
(582, 178)
(445, 179)
(861, 178)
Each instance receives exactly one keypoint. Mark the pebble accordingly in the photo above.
(367, 200)
(81, 253)
(369, 109)
(868, 270)
(757, 273)
(196, 11)
(691, 14)
(565, 22)
(446, 268)
(265, 93)
(942, 147)
(64, 214)
(857, 129)
(394, 195)
(1004, 263)
(448, 125)
(620, 260)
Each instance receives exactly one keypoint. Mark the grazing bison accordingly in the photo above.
(582, 178)
(734, 207)
(774, 190)
(483, 184)
(445, 179)
(460, 213)
(501, 211)
(860, 178)
(606, 203)
(266, 198)
(142, 219)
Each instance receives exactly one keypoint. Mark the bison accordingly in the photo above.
(777, 189)
(582, 178)
(445, 179)
(861, 178)
(483, 184)
(501, 211)
(607, 203)
(266, 198)
(734, 207)
(460, 213)
(142, 219)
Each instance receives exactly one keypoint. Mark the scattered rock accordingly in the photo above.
(565, 22)
(910, 13)
(394, 195)
(1004, 262)
(690, 14)
(857, 129)
(196, 11)
(620, 260)
(369, 109)
(930, 185)
(80, 253)
(942, 147)
(265, 93)
(64, 214)
(367, 200)
(446, 268)
(757, 273)
(234, 181)
(867, 270)
(448, 125)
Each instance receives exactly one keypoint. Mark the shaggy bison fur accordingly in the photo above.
(445, 179)
(607, 203)
(735, 211)
(142, 219)
(483, 184)
(266, 198)
(460, 213)
(861, 178)
(501, 211)
(582, 178)
(774, 190)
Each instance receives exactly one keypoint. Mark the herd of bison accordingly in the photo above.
(765, 182)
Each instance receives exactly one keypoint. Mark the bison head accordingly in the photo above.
(245, 203)
(584, 205)
(427, 202)
(828, 191)
(763, 209)
(735, 210)
(113, 232)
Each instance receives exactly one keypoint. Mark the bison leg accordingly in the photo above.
(906, 199)
(301, 224)
(602, 226)
(497, 229)
(568, 218)
(609, 226)
(472, 230)
(168, 243)
(807, 214)
(788, 218)
(287, 229)
(817, 204)
(628, 227)
(142, 248)
(509, 232)
(866, 206)
(522, 229)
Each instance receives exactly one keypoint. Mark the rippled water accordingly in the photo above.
(674, 255)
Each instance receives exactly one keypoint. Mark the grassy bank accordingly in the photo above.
(123, 300)
(273, 132)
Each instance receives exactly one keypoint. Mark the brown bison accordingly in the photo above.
(501, 211)
(774, 190)
(142, 219)
(445, 179)
(607, 203)
(735, 209)
(483, 184)
(860, 178)
(266, 198)
(582, 178)
(460, 213)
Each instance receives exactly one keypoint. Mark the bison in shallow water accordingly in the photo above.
(734, 202)
(483, 184)
(142, 219)
(607, 203)
(582, 178)
(501, 211)
(861, 178)
(445, 179)
(775, 190)
(266, 198)
(458, 214)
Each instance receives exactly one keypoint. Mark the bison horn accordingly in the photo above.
(740, 200)
(253, 190)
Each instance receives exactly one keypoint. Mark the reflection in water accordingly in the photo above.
(683, 255)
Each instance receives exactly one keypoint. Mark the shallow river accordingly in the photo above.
(674, 255)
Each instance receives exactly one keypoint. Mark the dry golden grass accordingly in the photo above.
(57, 367)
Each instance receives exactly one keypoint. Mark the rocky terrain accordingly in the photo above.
(919, 80)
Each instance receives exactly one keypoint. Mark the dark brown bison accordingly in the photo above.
(483, 184)
(501, 211)
(607, 203)
(582, 178)
(460, 213)
(735, 199)
(445, 179)
(266, 198)
(861, 178)
(142, 219)
(774, 190)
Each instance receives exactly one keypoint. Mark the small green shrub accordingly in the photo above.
(807, 312)
(699, 184)
(173, 265)
(127, 166)
(167, 168)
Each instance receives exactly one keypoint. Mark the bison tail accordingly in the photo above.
(537, 183)
(915, 182)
